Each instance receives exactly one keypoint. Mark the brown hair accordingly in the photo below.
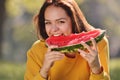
(79, 23)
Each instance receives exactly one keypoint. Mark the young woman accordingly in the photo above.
(63, 17)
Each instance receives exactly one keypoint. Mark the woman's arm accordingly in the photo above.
(32, 67)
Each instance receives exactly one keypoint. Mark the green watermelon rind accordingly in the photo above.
(74, 48)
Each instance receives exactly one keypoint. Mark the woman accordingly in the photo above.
(63, 17)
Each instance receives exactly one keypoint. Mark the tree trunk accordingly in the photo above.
(2, 18)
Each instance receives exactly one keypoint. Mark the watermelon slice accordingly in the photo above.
(71, 43)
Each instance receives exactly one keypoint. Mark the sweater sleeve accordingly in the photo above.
(35, 56)
(103, 50)
(101, 76)
(32, 68)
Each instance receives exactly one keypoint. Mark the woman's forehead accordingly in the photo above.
(55, 12)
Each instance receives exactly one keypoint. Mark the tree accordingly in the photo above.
(2, 18)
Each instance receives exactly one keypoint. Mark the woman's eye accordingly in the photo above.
(47, 23)
(61, 21)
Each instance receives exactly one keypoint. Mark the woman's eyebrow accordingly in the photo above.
(56, 19)
(61, 19)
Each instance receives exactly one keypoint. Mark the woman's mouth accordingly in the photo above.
(58, 35)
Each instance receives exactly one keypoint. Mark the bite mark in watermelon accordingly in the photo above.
(71, 43)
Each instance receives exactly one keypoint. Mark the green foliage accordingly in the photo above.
(27, 30)
(32, 5)
(16, 7)
(10, 71)
(115, 69)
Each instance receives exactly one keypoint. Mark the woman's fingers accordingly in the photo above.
(94, 44)
(84, 54)
(50, 58)
(92, 50)
(53, 56)
(86, 46)
(50, 47)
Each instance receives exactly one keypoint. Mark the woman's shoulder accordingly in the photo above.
(103, 43)
(37, 50)
(39, 44)
(104, 40)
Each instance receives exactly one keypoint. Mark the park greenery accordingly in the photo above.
(19, 33)
(10, 71)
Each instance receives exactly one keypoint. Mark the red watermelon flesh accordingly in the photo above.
(61, 41)
(71, 42)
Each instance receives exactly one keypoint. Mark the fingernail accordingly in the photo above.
(79, 50)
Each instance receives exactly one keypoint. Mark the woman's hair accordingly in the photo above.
(79, 23)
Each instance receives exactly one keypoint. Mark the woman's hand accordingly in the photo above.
(50, 58)
(91, 56)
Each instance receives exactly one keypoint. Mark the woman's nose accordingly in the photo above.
(55, 28)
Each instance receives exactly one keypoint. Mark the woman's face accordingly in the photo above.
(57, 22)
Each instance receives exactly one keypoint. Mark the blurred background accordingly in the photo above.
(17, 32)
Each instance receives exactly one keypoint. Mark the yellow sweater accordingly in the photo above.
(67, 68)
